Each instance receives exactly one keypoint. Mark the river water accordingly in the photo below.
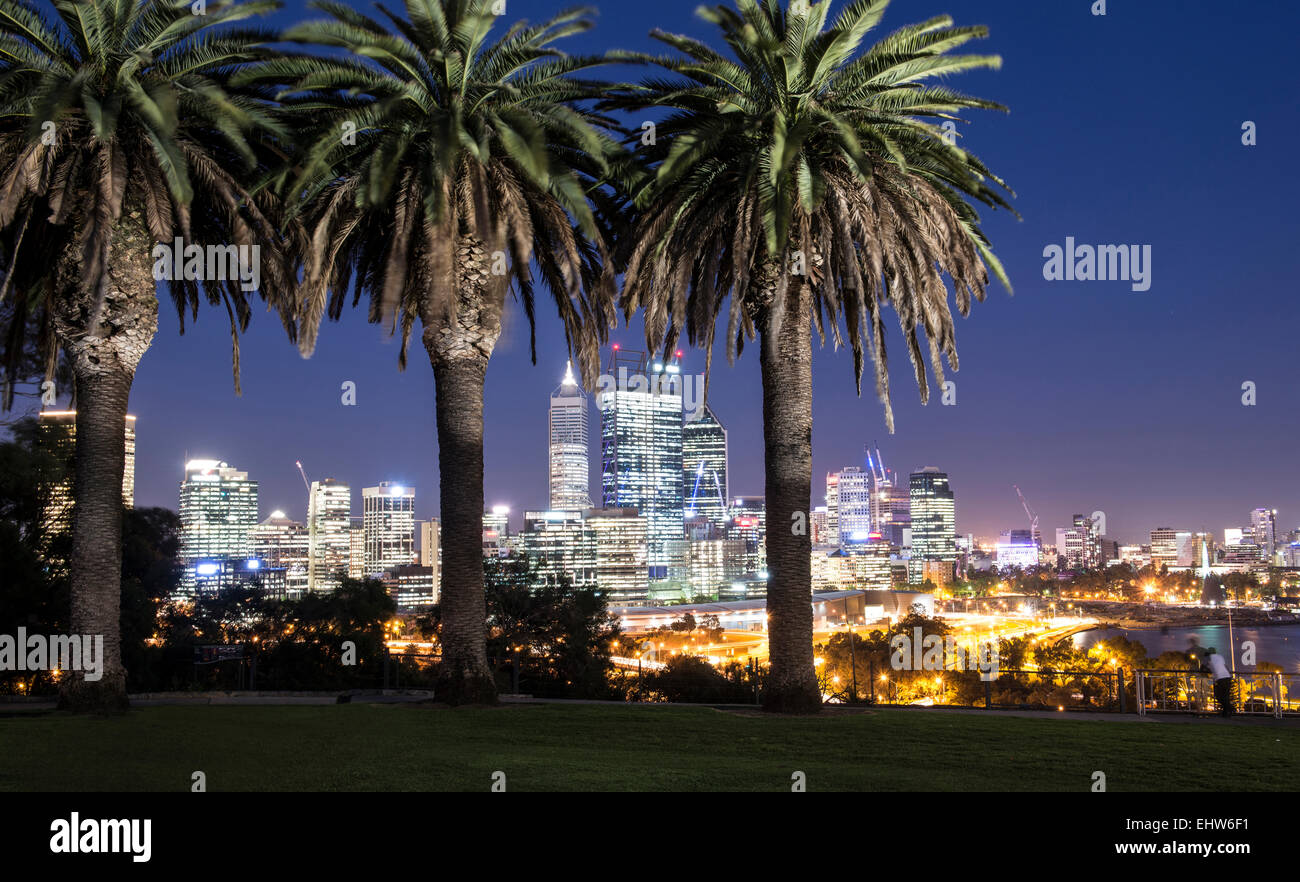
(1279, 644)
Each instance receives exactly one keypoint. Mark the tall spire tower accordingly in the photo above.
(570, 490)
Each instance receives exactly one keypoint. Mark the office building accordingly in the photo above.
(817, 526)
(388, 518)
(568, 446)
(431, 549)
(749, 524)
(1164, 546)
(1017, 549)
(620, 542)
(496, 531)
(853, 504)
(704, 468)
(281, 543)
(641, 451)
(560, 546)
(56, 433)
(1079, 545)
(933, 527)
(329, 535)
(218, 511)
(1263, 523)
(357, 550)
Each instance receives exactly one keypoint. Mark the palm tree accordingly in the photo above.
(118, 130)
(808, 180)
(439, 166)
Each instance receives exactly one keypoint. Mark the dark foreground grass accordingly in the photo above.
(593, 747)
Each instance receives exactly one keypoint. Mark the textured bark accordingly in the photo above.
(791, 685)
(104, 359)
(459, 352)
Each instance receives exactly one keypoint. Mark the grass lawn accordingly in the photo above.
(593, 747)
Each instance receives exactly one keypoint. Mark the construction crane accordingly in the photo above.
(305, 482)
(1033, 517)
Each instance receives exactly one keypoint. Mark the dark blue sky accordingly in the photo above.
(1123, 129)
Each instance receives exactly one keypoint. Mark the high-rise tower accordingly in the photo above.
(388, 519)
(329, 520)
(641, 451)
(934, 527)
(218, 513)
(57, 433)
(570, 488)
(704, 468)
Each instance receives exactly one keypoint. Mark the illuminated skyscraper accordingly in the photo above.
(218, 512)
(853, 501)
(357, 549)
(1080, 544)
(1164, 546)
(431, 551)
(1017, 548)
(496, 531)
(619, 536)
(282, 543)
(560, 545)
(704, 468)
(833, 508)
(388, 518)
(570, 488)
(641, 451)
(329, 523)
(749, 524)
(1263, 522)
(934, 525)
(57, 433)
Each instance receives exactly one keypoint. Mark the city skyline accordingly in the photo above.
(296, 508)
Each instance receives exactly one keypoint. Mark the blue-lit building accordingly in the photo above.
(211, 576)
(218, 514)
(704, 468)
(640, 402)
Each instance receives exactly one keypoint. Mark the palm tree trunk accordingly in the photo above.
(459, 351)
(104, 359)
(96, 564)
(787, 441)
(464, 677)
